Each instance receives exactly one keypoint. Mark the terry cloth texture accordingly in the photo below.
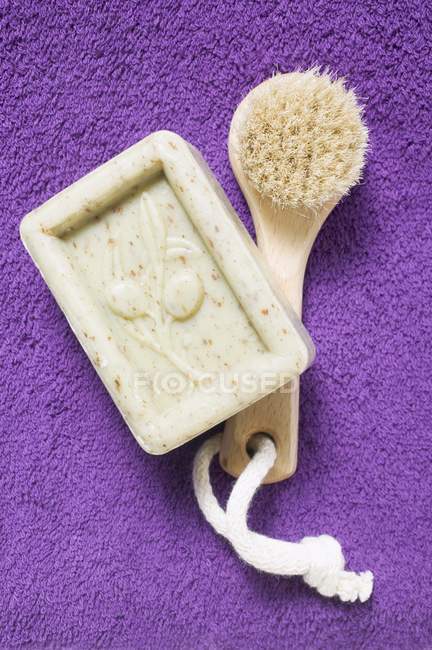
(104, 546)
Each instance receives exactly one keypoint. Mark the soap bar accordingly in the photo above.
(165, 291)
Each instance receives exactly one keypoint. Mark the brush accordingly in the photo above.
(297, 145)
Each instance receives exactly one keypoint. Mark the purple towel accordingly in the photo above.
(103, 545)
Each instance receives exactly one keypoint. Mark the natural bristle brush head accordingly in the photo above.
(303, 143)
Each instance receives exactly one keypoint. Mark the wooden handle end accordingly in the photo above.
(275, 415)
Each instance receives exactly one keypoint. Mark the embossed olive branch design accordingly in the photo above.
(142, 298)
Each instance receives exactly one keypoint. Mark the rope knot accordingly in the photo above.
(318, 559)
(326, 571)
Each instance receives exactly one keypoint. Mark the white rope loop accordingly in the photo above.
(318, 559)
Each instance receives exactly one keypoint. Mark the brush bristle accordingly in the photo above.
(304, 141)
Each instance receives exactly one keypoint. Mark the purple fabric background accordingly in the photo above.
(103, 545)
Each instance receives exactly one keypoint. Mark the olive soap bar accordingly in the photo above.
(165, 291)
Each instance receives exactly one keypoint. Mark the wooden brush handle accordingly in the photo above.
(284, 239)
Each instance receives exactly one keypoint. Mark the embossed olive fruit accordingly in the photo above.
(184, 294)
(126, 298)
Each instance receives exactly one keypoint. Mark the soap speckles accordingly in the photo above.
(216, 301)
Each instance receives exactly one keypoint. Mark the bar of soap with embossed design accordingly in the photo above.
(165, 291)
